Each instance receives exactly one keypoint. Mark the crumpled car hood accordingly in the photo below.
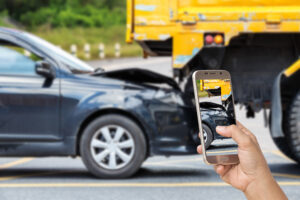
(141, 76)
(211, 106)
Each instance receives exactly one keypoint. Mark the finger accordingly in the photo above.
(219, 168)
(199, 149)
(225, 170)
(227, 173)
(242, 139)
(222, 169)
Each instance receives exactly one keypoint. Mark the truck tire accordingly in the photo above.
(113, 146)
(292, 127)
(283, 145)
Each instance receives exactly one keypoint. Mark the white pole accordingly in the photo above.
(87, 49)
(101, 51)
(73, 50)
(27, 53)
(117, 50)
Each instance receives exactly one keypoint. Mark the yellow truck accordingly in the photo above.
(216, 87)
(257, 41)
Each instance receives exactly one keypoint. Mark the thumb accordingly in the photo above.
(242, 139)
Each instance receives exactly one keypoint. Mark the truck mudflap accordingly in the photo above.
(276, 109)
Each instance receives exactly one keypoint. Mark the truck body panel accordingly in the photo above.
(187, 21)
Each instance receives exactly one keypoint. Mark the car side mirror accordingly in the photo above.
(44, 69)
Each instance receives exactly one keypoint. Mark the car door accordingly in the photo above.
(29, 103)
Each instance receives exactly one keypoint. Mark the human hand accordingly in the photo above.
(252, 172)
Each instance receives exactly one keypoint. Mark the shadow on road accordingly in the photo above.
(171, 172)
(287, 168)
(82, 174)
(9, 174)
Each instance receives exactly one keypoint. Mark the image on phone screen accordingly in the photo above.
(217, 109)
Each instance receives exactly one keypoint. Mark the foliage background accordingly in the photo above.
(66, 13)
(66, 22)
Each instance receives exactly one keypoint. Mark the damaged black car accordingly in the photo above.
(213, 115)
(53, 104)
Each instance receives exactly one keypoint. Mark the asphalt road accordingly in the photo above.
(178, 177)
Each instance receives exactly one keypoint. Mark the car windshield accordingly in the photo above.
(74, 64)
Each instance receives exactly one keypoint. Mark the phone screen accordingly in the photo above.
(217, 109)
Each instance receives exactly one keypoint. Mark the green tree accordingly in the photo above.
(66, 13)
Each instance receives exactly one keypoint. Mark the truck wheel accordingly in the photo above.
(292, 127)
(282, 144)
(113, 146)
(207, 134)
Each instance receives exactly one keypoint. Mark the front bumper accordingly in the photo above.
(176, 126)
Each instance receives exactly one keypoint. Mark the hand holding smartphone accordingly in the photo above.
(214, 102)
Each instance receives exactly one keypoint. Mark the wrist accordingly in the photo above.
(262, 185)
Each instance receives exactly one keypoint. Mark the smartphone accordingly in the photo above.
(215, 107)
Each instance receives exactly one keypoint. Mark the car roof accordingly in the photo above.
(11, 30)
(20, 34)
(8, 29)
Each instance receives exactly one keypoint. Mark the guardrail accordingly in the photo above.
(86, 50)
(101, 50)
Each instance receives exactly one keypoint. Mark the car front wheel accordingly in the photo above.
(207, 135)
(113, 146)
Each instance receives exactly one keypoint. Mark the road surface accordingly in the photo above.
(176, 178)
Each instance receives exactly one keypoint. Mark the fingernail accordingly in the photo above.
(220, 128)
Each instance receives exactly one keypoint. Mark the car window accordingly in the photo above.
(74, 64)
(14, 62)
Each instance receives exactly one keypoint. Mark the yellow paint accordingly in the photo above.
(14, 163)
(186, 21)
(278, 153)
(273, 18)
(192, 43)
(111, 185)
(129, 21)
(292, 69)
(288, 183)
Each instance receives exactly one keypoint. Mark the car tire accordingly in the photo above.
(113, 146)
(208, 136)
